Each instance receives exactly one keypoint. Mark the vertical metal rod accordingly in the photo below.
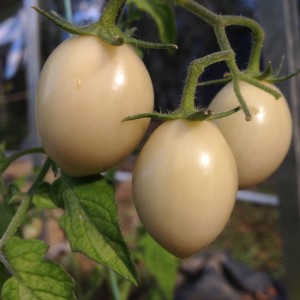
(32, 69)
(68, 10)
(3, 113)
(291, 18)
(280, 21)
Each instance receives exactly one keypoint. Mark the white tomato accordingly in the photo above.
(184, 185)
(86, 88)
(260, 145)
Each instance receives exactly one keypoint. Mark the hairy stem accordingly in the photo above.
(237, 90)
(219, 24)
(199, 10)
(187, 109)
(195, 69)
(216, 20)
(111, 11)
(257, 40)
(260, 85)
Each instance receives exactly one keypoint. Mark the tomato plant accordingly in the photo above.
(260, 145)
(184, 185)
(93, 105)
(86, 88)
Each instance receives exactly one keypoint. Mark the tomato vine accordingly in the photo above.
(90, 214)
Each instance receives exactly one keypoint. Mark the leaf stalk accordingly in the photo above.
(19, 154)
(24, 206)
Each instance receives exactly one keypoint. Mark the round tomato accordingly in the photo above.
(184, 185)
(86, 88)
(260, 145)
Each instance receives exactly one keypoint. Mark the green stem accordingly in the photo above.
(219, 24)
(237, 90)
(199, 10)
(114, 285)
(214, 116)
(215, 81)
(257, 40)
(187, 109)
(224, 21)
(24, 206)
(155, 116)
(19, 154)
(151, 45)
(260, 85)
(111, 11)
(8, 267)
(222, 37)
(196, 68)
(235, 72)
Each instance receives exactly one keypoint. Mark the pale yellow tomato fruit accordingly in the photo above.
(260, 145)
(184, 185)
(86, 88)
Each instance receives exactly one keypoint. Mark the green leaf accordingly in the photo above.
(163, 15)
(13, 193)
(160, 264)
(42, 197)
(91, 223)
(34, 278)
(56, 193)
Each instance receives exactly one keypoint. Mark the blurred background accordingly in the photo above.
(262, 239)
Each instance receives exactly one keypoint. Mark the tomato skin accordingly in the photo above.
(260, 145)
(86, 89)
(184, 185)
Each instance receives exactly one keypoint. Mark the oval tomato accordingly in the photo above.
(260, 145)
(86, 88)
(184, 185)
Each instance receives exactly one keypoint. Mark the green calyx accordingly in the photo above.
(105, 28)
(272, 76)
(201, 114)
